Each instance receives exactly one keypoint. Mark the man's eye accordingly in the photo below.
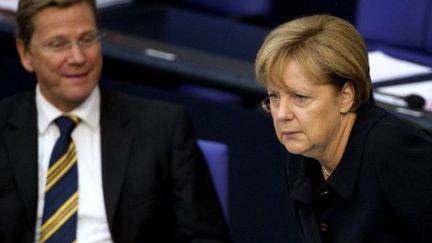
(57, 44)
(88, 39)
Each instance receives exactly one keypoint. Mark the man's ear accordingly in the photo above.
(25, 56)
(347, 97)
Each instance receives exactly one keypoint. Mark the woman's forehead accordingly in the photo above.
(280, 71)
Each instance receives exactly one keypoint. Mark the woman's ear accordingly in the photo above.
(25, 56)
(347, 97)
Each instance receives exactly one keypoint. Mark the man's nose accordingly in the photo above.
(76, 55)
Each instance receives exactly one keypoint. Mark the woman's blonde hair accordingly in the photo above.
(327, 48)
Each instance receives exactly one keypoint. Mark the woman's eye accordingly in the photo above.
(273, 96)
(300, 98)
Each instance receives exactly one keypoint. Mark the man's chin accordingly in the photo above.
(74, 99)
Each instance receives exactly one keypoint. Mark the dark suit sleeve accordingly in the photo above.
(404, 168)
(198, 214)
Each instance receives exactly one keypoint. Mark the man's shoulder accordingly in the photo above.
(135, 99)
(7, 102)
(11, 104)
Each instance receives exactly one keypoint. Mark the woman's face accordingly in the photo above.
(307, 115)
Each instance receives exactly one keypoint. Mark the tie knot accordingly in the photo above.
(66, 124)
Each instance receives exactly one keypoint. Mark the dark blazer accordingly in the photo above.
(156, 184)
(380, 192)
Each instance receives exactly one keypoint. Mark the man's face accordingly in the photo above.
(66, 73)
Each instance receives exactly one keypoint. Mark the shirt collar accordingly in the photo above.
(88, 111)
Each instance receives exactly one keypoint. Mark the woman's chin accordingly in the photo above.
(294, 150)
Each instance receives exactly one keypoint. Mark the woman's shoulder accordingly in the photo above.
(382, 129)
(390, 141)
(397, 148)
(393, 132)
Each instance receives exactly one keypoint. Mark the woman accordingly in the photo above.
(354, 172)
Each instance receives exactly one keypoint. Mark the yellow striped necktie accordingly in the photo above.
(59, 219)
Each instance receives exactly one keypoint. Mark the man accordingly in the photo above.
(129, 168)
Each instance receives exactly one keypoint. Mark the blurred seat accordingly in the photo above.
(211, 94)
(216, 155)
(283, 10)
(233, 8)
(176, 46)
(402, 29)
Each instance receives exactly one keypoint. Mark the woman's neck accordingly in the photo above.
(334, 151)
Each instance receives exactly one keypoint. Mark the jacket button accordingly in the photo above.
(324, 198)
(324, 227)
(324, 194)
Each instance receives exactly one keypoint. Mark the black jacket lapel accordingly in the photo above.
(20, 137)
(116, 139)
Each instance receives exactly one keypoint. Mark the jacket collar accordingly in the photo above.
(20, 135)
(116, 139)
(344, 177)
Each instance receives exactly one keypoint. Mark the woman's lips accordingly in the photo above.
(290, 134)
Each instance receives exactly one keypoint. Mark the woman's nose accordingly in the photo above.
(285, 110)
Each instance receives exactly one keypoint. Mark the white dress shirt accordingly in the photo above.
(92, 221)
